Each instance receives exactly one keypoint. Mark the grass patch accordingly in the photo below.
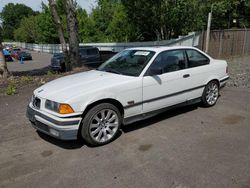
(26, 78)
(50, 73)
(11, 89)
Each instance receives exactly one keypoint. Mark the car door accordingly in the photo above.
(165, 88)
(199, 70)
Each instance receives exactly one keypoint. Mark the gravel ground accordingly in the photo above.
(239, 71)
(183, 148)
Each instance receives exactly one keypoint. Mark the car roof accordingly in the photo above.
(162, 48)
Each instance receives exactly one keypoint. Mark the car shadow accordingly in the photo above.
(160, 117)
(65, 144)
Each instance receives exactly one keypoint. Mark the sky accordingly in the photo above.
(36, 4)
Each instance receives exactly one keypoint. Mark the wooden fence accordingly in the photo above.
(227, 43)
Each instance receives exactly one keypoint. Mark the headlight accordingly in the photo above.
(51, 105)
(59, 108)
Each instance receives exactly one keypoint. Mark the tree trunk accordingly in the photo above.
(59, 26)
(72, 27)
(3, 66)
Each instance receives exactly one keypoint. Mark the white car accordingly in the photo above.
(133, 85)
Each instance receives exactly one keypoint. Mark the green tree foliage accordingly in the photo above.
(28, 30)
(11, 17)
(37, 29)
(224, 12)
(119, 29)
(136, 20)
(163, 19)
(1, 34)
(47, 29)
(107, 23)
(87, 31)
(101, 17)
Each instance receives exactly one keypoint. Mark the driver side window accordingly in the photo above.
(169, 61)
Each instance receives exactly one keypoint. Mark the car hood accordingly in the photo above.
(65, 88)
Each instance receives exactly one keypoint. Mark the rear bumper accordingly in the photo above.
(223, 81)
(62, 128)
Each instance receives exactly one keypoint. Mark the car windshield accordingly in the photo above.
(128, 62)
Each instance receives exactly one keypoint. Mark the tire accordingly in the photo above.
(210, 94)
(63, 67)
(101, 124)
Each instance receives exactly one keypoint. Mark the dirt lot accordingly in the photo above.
(40, 61)
(187, 147)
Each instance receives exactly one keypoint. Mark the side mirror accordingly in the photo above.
(155, 71)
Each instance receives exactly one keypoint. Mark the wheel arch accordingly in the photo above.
(115, 102)
(214, 79)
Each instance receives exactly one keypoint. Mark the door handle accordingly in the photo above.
(186, 75)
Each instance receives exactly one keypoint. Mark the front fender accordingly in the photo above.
(81, 103)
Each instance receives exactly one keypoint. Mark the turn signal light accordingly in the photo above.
(65, 109)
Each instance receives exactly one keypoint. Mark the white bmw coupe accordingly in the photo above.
(133, 85)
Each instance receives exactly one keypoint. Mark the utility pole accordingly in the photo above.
(208, 31)
(208, 28)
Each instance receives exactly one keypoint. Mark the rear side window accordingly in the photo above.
(83, 52)
(93, 51)
(170, 61)
(196, 59)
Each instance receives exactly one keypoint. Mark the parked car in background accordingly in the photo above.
(89, 55)
(57, 63)
(135, 84)
(24, 55)
(7, 55)
(14, 52)
(8, 47)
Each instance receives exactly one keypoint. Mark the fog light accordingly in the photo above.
(54, 132)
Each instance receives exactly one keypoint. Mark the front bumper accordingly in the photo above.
(55, 68)
(61, 128)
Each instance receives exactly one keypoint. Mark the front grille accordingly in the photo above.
(53, 62)
(36, 103)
